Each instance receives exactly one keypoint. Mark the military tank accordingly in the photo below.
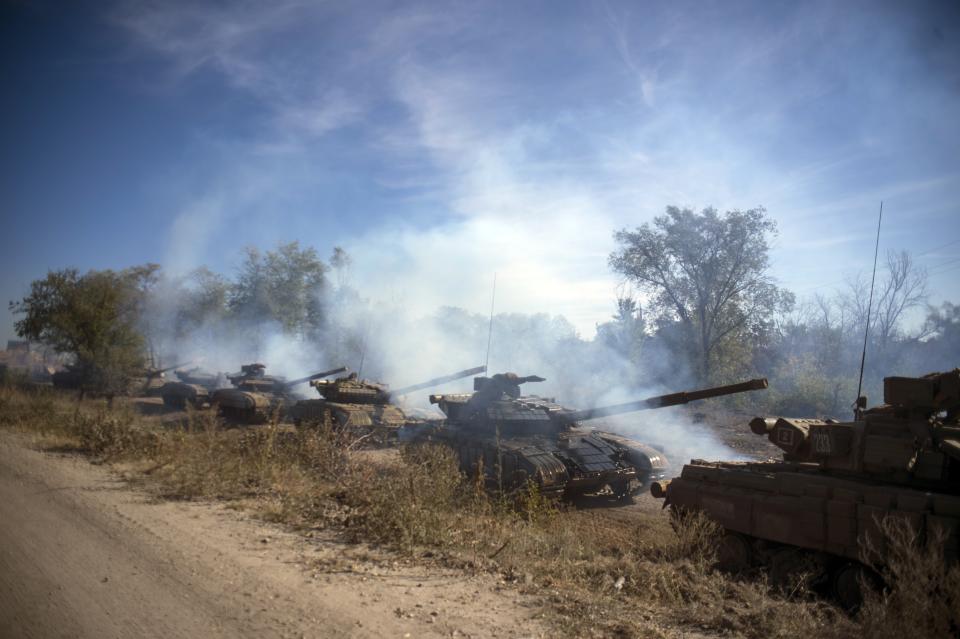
(821, 509)
(256, 396)
(515, 439)
(147, 382)
(363, 407)
(150, 380)
(193, 387)
(69, 378)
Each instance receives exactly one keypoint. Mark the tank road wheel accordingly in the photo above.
(734, 553)
(793, 571)
(622, 491)
(177, 403)
(851, 582)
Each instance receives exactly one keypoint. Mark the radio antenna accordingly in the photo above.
(493, 297)
(363, 349)
(860, 404)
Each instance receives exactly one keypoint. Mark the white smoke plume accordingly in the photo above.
(386, 342)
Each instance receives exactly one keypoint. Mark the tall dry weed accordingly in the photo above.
(923, 598)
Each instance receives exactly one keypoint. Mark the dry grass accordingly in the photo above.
(925, 600)
(600, 575)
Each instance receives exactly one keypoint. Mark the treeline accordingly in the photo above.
(704, 311)
(713, 308)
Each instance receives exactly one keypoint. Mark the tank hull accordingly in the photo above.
(66, 379)
(180, 394)
(568, 465)
(247, 407)
(380, 421)
(826, 522)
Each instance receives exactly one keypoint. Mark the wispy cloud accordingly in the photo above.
(517, 143)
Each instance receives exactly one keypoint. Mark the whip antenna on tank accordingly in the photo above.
(493, 297)
(861, 403)
(363, 350)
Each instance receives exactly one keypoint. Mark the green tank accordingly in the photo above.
(192, 387)
(363, 407)
(148, 382)
(819, 509)
(256, 397)
(515, 439)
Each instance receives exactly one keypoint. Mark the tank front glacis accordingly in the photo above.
(838, 481)
(515, 439)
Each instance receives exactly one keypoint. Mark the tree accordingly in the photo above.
(93, 317)
(282, 286)
(708, 274)
(939, 350)
(340, 260)
(904, 288)
(625, 333)
(201, 299)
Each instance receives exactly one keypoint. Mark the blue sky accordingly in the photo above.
(441, 142)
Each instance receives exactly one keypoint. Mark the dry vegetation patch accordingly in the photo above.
(601, 575)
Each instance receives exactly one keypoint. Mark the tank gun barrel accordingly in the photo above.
(440, 380)
(662, 401)
(314, 376)
(161, 371)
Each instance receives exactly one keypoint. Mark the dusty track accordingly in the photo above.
(84, 555)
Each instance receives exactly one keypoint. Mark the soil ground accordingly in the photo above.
(82, 554)
(85, 554)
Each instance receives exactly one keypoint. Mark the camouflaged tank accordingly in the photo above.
(363, 407)
(518, 439)
(193, 387)
(256, 396)
(819, 510)
(148, 382)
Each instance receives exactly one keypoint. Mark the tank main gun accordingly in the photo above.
(150, 373)
(501, 394)
(363, 406)
(436, 381)
(663, 401)
(252, 378)
(313, 376)
(352, 389)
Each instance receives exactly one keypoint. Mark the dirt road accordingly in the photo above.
(84, 555)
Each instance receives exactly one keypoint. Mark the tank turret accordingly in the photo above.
(199, 377)
(151, 380)
(363, 406)
(153, 373)
(257, 396)
(517, 439)
(192, 387)
(912, 439)
(247, 371)
(822, 507)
